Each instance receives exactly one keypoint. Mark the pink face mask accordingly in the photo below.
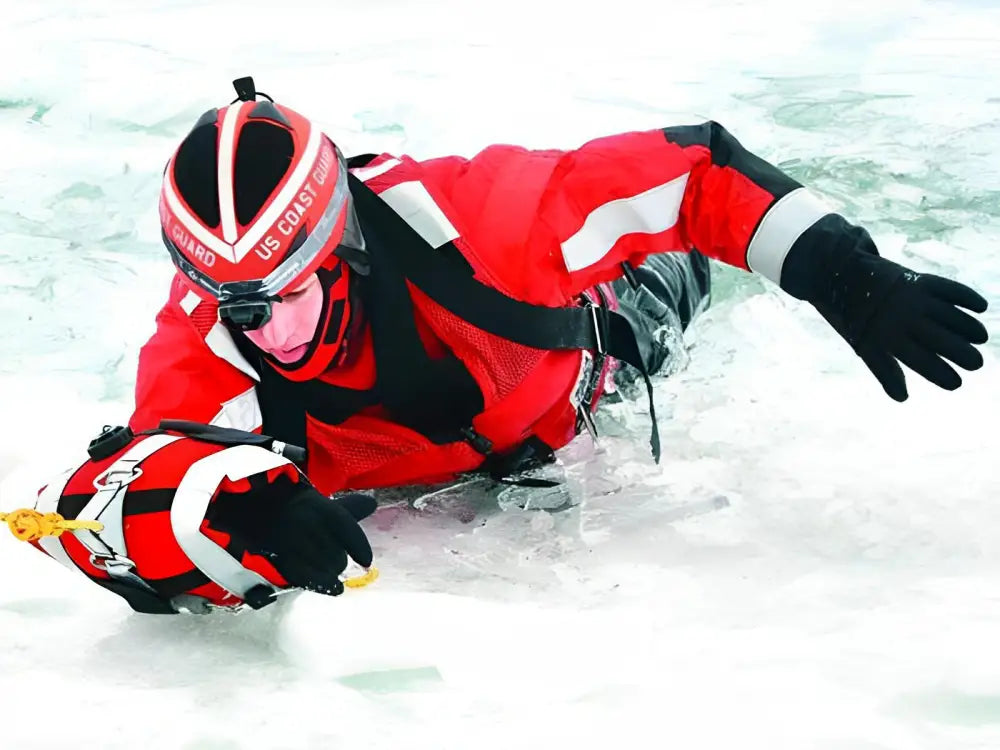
(293, 322)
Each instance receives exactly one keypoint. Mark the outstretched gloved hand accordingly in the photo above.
(306, 535)
(888, 313)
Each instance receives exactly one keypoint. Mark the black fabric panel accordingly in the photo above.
(436, 397)
(453, 254)
(690, 135)
(282, 406)
(726, 151)
(332, 404)
(284, 403)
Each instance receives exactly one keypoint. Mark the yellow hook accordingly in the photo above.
(29, 525)
(359, 582)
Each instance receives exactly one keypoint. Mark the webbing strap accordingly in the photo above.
(436, 397)
(588, 327)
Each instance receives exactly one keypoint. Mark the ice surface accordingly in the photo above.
(811, 566)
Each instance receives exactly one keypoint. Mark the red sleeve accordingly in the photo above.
(190, 369)
(573, 217)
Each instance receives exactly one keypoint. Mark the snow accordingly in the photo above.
(811, 566)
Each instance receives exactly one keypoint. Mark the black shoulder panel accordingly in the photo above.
(726, 151)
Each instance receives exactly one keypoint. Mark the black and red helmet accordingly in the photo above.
(253, 201)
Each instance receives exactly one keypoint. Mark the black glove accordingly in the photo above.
(306, 535)
(885, 311)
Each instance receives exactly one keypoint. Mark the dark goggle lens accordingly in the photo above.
(247, 315)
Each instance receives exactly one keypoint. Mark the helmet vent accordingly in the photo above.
(195, 171)
(263, 155)
(265, 110)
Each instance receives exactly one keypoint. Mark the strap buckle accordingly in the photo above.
(593, 367)
(119, 567)
(599, 318)
(112, 563)
(120, 474)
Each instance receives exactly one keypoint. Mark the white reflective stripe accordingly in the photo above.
(412, 201)
(107, 504)
(191, 501)
(48, 499)
(280, 203)
(48, 502)
(240, 413)
(784, 223)
(221, 343)
(189, 302)
(651, 212)
(370, 173)
(227, 203)
(193, 226)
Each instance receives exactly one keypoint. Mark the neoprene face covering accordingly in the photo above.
(293, 322)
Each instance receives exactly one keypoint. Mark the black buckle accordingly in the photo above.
(509, 468)
(481, 443)
(599, 318)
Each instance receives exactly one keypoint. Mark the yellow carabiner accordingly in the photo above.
(29, 525)
(366, 578)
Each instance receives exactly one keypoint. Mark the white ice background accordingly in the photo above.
(811, 566)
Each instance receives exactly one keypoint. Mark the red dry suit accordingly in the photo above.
(536, 227)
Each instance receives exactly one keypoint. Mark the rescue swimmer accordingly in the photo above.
(337, 325)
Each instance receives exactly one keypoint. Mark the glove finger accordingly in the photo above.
(928, 364)
(956, 320)
(939, 339)
(310, 577)
(358, 505)
(349, 534)
(888, 372)
(324, 582)
(322, 578)
(955, 293)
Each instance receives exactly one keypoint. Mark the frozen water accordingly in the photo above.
(811, 566)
